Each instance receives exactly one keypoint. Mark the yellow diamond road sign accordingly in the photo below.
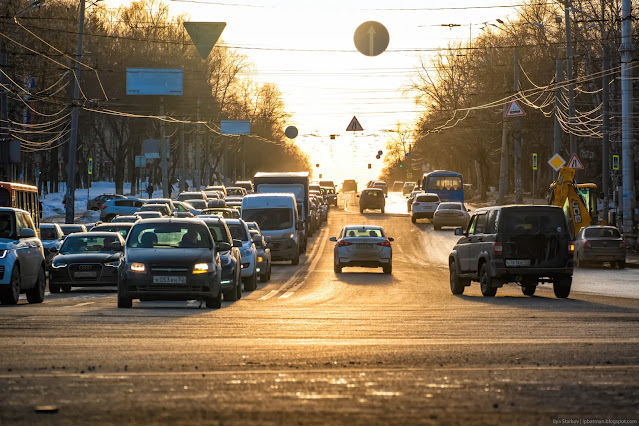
(556, 162)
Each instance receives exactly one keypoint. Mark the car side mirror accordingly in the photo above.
(237, 243)
(459, 232)
(27, 233)
(267, 239)
(223, 246)
(256, 238)
(391, 239)
(334, 239)
(53, 250)
(116, 246)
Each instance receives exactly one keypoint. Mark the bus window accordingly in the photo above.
(5, 198)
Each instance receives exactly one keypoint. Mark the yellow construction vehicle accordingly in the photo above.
(577, 200)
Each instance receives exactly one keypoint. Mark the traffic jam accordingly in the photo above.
(212, 245)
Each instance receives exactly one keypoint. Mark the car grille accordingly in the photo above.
(171, 271)
(1, 272)
(604, 244)
(172, 288)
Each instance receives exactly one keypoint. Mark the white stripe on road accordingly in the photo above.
(310, 269)
(269, 295)
(79, 304)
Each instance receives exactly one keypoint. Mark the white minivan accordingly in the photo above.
(277, 217)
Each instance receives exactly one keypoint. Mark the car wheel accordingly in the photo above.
(36, 294)
(231, 295)
(528, 289)
(251, 283)
(561, 287)
(337, 268)
(238, 289)
(124, 301)
(413, 219)
(577, 261)
(457, 284)
(53, 287)
(65, 288)
(264, 276)
(621, 264)
(437, 227)
(485, 282)
(388, 269)
(361, 210)
(11, 295)
(383, 210)
(214, 302)
(296, 259)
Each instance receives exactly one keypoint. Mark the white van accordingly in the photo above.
(277, 217)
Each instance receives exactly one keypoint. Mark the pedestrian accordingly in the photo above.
(149, 190)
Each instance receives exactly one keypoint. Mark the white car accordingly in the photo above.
(424, 206)
(248, 253)
(411, 198)
(363, 245)
(22, 261)
(450, 214)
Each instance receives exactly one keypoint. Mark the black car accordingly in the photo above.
(170, 259)
(372, 199)
(524, 244)
(230, 258)
(86, 259)
(70, 228)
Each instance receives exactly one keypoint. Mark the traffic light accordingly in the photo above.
(401, 165)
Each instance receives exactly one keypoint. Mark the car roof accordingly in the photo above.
(92, 234)
(371, 189)
(363, 226)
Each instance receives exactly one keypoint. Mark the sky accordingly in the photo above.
(306, 48)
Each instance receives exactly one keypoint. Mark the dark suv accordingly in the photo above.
(524, 244)
(372, 198)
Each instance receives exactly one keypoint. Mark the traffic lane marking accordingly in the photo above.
(80, 304)
(311, 268)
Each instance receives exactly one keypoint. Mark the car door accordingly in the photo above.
(477, 240)
(26, 250)
(463, 246)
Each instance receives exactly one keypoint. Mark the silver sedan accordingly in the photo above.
(450, 214)
(363, 245)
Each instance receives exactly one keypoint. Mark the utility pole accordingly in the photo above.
(605, 118)
(517, 138)
(571, 84)
(5, 135)
(75, 113)
(559, 78)
(503, 164)
(182, 160)
(198, 148)
(626, 50)
(163, 153)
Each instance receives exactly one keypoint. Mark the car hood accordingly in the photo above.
(51, 243)
(89, 257)
(184, 257)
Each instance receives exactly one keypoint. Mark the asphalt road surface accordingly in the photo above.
(313, 347)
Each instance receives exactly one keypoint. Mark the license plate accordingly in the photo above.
(169, 280)
(364, 246)
(518, 262)
(85, 274)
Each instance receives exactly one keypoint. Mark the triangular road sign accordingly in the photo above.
(514, 110)
(204, 35)
(575, 163)
(354, 126)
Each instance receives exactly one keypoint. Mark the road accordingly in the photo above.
(313, 347)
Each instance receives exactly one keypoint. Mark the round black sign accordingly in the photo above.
(371, 38)
(291, 132)
(379, 152)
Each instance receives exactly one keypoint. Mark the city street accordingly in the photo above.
(314, 347)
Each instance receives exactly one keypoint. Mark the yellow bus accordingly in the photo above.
(21, 196)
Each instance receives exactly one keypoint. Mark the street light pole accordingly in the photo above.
(70, 199)
(571, 85)
(626, 49)
(517, 137)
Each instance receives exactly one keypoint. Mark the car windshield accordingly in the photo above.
(122, 230)
(227, 214)
(198, 204)
(363, 232)
(270, 219)
(219, 233)
(546, 221)
(444, 183)
(372, 193)
(70, 229)
(48, 234)
(601, 233)
(124, 219)
(449, 206)
(7, 225)
(85, 244)
(234, 192)
(238, 232)
(168, 235)
(427, 198)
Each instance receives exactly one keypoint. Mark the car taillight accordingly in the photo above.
(498, 248)
(384, 243)
(460, 214)
(103, 206)
(571, 246)
(586, 244)
(622, 244)
(343, 243)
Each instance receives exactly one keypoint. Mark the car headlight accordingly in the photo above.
(291, 235)
(137, 267)
(113, 264)
(201, 268)
(59, 265)
(3, 253)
